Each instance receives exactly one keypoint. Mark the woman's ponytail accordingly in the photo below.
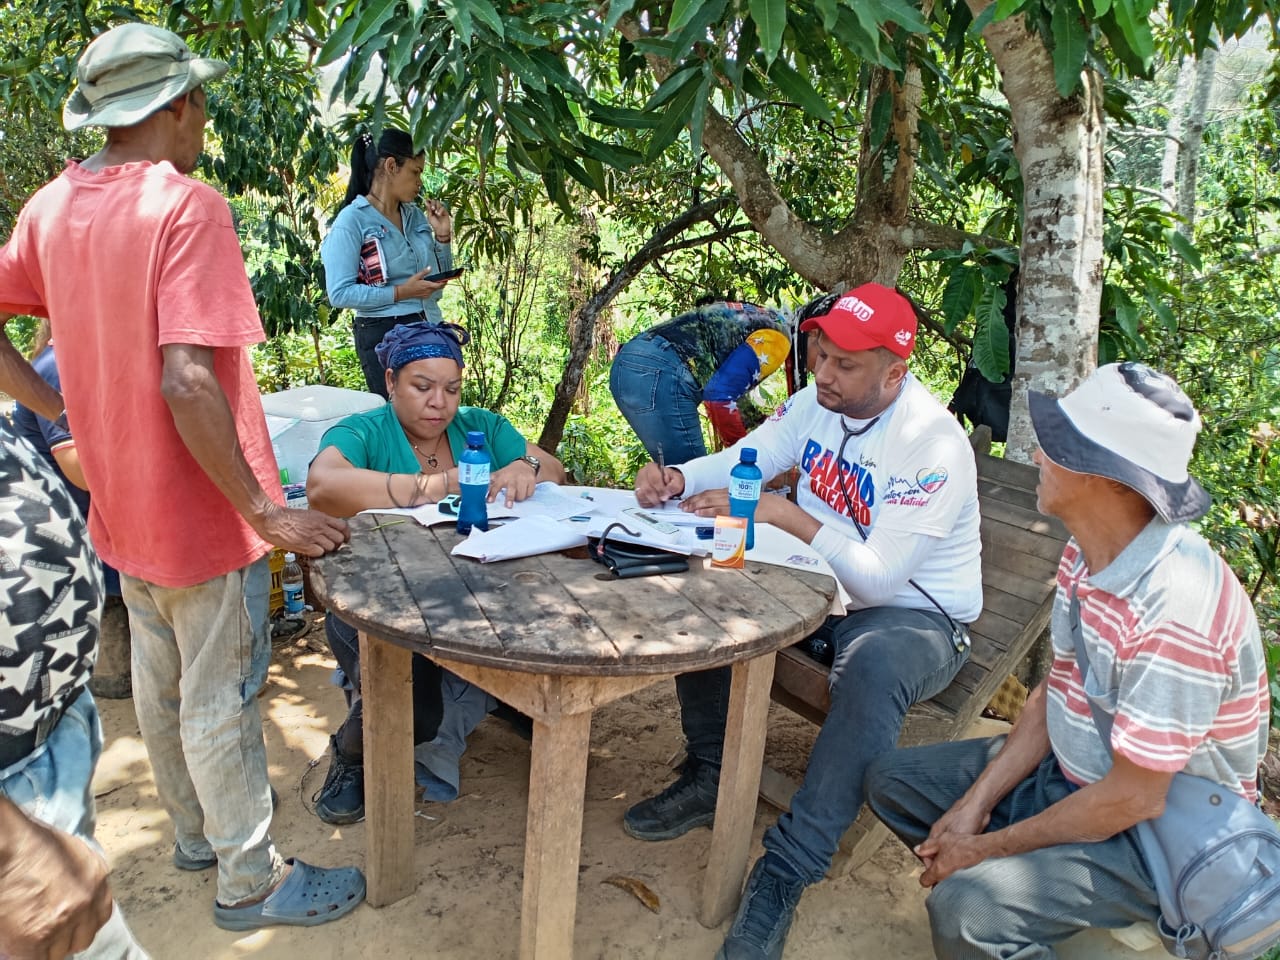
(363, 162)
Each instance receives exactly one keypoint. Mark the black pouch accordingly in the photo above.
(626, 560)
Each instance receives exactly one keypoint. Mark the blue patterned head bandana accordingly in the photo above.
(407, 342)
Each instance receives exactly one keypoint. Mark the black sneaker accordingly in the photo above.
(689, 802)
(341, 799)
(764, 916)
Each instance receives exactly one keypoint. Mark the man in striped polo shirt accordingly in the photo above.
(1026, 839)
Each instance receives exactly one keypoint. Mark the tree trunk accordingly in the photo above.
(1174, 132)
(1058, 142)
(1193, 138)
(582, 325)
(1187, 112)
(875, 241)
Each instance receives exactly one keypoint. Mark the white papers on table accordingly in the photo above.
(681, 518)
(394, 511)
(600, 500)
(610, 503)
(547, 501)
(523, 537)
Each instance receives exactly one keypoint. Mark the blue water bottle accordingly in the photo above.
(745, 481)
(473, 480)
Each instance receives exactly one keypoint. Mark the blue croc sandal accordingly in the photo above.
(309, 896)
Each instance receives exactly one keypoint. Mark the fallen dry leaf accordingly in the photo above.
(637, 889)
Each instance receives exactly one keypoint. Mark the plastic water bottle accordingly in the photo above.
(473, 480)
(284, 471)
(745, 481)
(291, 581)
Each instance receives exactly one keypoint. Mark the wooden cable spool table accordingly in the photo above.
(553, 638)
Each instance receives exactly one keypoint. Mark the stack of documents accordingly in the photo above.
(558, 518)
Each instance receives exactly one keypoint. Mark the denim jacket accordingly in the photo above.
(365, 257)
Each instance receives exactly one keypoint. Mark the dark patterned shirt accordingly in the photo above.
(705, 337)
(50, 590)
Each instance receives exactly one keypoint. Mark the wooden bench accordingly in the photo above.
(1020, 552)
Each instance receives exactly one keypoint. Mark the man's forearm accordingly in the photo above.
(1126, 796)
(20, 380)
(785, 515)
(203, 419)
(1024, 750)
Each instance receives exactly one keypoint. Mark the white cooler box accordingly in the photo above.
(298, 418)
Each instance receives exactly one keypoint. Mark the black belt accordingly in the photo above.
(13, 749)
(394, 318)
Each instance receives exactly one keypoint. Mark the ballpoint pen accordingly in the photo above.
(662, 465)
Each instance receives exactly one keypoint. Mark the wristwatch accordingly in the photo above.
(533, 462)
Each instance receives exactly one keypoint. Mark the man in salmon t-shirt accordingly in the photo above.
(139, 270)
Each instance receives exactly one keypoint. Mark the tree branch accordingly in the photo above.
(926, 235)
(582, 324)
(805, 248)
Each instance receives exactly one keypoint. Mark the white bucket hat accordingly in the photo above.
(130, 72)
(1131, 424)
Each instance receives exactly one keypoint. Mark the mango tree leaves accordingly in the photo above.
(959, 295)
(991, 336)
(1070, 43)
(770, 18)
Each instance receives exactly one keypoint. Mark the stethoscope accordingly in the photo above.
(849, 434)
(959, 635)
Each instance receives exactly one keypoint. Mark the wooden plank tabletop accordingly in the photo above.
(554, 613)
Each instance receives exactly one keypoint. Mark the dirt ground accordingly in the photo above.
(469, 854)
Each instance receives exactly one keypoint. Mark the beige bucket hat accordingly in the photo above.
(130, 72)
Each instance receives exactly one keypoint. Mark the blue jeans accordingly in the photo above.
(54, 785)
(1018, 906)
(658, 396)
(200, 657)
(887, 659)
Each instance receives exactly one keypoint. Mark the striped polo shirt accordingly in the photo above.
(1175, 657)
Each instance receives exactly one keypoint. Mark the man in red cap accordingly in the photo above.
(888, 495)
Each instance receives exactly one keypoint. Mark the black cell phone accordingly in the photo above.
(444, 275)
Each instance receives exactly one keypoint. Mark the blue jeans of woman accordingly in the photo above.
(1018, 906)
(886, 659)
(658, 396)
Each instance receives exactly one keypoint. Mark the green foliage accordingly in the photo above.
(505, 73)
(991, 338)
(517, 102)
(32, 140)
(1272, 651)
(278, 174)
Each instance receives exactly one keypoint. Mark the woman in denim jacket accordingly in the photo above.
(381, 246)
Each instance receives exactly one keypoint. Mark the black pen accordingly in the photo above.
(662, 465)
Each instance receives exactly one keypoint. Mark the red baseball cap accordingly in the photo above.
(867, 317)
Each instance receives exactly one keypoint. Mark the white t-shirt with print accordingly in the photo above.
(913, 471)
